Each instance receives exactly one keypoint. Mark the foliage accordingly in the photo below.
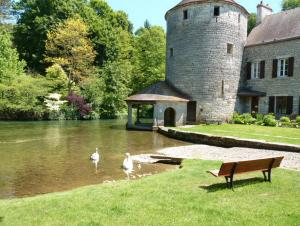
(10, 65)
(149, 64)
(243, 119)
(251, 22)
(23, 99)
(290, 4)
(37, 18)
(68, 46)
(77, 107)
(115, 77)
(57, 79)
(259, 119)
(92, 89)
(285, 122)
(298, 120)
(269, 120)
(106, 27)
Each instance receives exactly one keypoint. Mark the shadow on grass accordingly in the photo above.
(236, 184)
(1, 219)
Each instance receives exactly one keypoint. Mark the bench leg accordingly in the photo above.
(229, 182)
(269, 177)
(265, 176)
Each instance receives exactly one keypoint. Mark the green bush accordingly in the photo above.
(246, 119)
(259, 119)
(285, 122)
(269, 120)
(298, 120)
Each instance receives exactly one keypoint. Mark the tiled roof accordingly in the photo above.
(159, 92)
(245, 92)
(276, 27)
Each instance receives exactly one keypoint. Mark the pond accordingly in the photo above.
(44, 157)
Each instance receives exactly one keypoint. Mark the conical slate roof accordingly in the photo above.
(159, 92)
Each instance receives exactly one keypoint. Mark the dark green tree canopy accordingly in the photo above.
(251, 22)
(290, 4)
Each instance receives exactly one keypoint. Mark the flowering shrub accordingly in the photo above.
(78, 105)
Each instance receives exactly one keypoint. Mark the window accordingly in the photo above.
(229, 48)
(255, 70)
(239, 19)
(171, 52)
(281, 105)
(217, 11)
(282, 66)
(185, 15)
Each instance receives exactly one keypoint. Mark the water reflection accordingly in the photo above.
(55, 154)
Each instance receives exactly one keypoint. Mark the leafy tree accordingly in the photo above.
(290, 4)
(36, 19)
(79, 105)
(57, 79)
(251, 22)
(92, 89)
(23, 99)
(69, 47)
(106, 27)
(149, 57)
(10, 65)
(115, 76)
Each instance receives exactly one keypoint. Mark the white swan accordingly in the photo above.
(128, 164)
(95, 156)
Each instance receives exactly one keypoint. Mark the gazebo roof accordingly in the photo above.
(159, 92)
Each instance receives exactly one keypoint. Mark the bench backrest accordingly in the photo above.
(249, 166)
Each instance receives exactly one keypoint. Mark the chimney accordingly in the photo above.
(263, 11)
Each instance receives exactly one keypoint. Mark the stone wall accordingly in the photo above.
(200, 65)
(286, 86)
(227, 142)
(180, 113)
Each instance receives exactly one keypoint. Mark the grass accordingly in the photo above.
(187, 196)
(270, 134)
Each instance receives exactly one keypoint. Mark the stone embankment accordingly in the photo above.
(226, 142)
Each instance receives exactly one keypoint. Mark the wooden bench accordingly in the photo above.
(229, 169)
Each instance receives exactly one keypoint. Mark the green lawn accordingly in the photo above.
(187, 196)
(270, 134)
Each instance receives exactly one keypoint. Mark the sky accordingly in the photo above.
(154, 10)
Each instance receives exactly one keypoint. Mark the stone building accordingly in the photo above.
(213, 69)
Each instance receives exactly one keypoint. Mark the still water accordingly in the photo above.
(43, 157)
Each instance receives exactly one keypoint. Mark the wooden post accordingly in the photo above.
(129, 123)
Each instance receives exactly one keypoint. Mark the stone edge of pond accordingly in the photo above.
(225, 141)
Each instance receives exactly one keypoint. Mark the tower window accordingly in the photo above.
(185, 14)
(171, 52)
(217, 11)
(229, 48)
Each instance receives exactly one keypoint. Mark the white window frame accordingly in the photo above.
(283, 67)
(255, 70)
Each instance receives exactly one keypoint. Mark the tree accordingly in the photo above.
(115, 76)
(290, 4)
(57, 79)
(251, 22)
(37, 18)
(69, 46)
(149, 57)
(10, 65)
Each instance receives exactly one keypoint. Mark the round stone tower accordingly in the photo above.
(205, 43)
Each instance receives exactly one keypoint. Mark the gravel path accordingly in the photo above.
(291, 160)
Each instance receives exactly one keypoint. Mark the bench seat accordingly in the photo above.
(229, 169)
